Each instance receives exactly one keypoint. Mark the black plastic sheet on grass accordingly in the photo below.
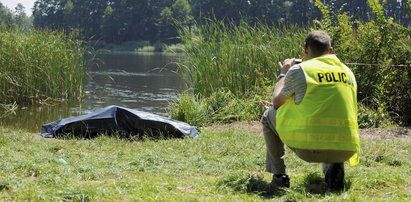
(118, 120)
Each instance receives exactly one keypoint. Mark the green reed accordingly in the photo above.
(243, 60)
(239, 58)
(38, 66)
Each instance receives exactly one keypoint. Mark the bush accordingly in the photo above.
(159, 46)
(222, 106)
(174, 48)
(37, 66)
(381, 88)
(190, 109)
(369, 118)
(124, 46)
(146, 49)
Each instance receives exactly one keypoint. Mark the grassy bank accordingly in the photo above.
(38, 66)
(226, 163)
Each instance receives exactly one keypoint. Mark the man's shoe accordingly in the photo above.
(334, 177)
(280, 181)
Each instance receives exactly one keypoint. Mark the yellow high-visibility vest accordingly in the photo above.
(326, 118)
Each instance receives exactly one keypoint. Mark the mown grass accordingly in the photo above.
(37, 66)
(224, 164)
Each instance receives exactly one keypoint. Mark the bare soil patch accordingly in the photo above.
(254, 127)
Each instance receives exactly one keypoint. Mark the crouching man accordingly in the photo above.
(314, 113)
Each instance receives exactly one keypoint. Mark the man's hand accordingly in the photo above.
(278, 98)
(286, 65)
(265, 104)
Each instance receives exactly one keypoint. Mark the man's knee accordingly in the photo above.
(268, 118)
(325, 156)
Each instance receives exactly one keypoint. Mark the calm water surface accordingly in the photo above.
(140, 81)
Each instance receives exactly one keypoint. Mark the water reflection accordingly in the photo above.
(142, 82)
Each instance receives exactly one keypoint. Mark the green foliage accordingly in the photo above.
(127, 46)
(124, 46)
(174, 48)
(377, 9)
(16, 19)
(370, 118)
(115, 21)
(366, 117)
(146, 49)
(242, 59)
(190, 109)
(7, 109)
(179, 12)
(409, 7)
(245, 183)
(222, 106)
(327, 18)
(378, 41)
(159, 46)
(37, 66)
(68, 7)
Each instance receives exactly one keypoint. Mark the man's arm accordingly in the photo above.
(278, 98)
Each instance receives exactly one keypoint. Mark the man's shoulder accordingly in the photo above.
(295, 83)
(295, 67)
(295, 71)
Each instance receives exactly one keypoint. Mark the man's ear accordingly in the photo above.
(305, 48)
(331, 51)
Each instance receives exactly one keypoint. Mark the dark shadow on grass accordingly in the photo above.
(262, 188)
(4, 186)
(315, 184)
(147, 135)
(252, 185)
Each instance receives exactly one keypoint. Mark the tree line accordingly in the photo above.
(14, 18)
(116, 21)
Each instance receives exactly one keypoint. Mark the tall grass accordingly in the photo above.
(240, 58)
(36, 66)
(230, 68)
(220, 107)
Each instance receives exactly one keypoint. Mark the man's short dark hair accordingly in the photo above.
(319, 42)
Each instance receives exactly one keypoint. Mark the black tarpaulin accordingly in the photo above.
(119, 120)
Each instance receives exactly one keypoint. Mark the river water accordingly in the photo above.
(140, 81)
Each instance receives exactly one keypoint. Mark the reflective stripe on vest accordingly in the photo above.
(326, 118)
